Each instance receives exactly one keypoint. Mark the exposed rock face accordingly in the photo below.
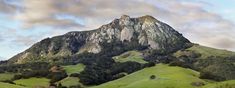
(147, 30)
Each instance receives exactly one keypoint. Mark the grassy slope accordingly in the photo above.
(74, 68)
(166, 76)
(7, 85)
(172, 77)
(207, 51)
(130, 56)
(6, 76)
(33, 82)
(70, 81)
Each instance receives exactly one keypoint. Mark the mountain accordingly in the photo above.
(129, 52)
(146, 32)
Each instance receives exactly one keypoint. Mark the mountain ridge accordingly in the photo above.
(146, 31)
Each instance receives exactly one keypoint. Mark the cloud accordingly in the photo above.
(6, 7)
(93, 12)
(188, 17)
(39, 13)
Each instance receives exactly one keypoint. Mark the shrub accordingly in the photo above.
(77, 86)
(56, 76)
(209, 75)
(74, 75)
(150, 64)
(152, 77)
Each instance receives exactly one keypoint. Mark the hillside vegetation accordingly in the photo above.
(33, 82)
(69, 81)
(74, 68)
(6, 76)
(165, 77)
(134, 56)
(7, 85)
(207, 51)
(214, 64)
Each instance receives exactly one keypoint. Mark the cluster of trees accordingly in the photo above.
(186, 60)
(56, 76)
(21, 68)
(61, 86)
(104, 69)
(158, 56)
(33, 73)
(33, 69)
(216, 68)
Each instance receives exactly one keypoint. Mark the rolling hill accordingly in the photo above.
(166, 77)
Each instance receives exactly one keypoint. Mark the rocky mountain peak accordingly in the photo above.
(148, 18)
(144, 31)
(125, 20)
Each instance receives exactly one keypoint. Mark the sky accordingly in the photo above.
(25, 22)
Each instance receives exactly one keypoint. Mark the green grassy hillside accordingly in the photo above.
(134, 56)
(33, 82)
(7, 85)
(166, 77)
(207, 51)
(6, 76)
(70, 81)
(74, 68)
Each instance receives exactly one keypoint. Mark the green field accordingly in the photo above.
(207, 51)
(33, 82)
(7, 85)
(6, 76)
(166, 77)
(70, 81)
(74, 68)
(130, 56)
